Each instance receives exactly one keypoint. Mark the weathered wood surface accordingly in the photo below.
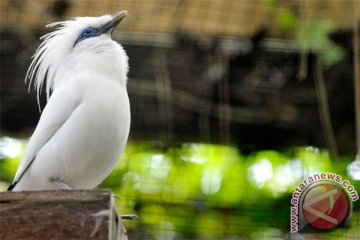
(78, 214)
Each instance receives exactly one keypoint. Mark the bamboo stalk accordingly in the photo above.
(324, 110)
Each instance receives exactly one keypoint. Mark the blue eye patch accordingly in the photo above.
(87, 33)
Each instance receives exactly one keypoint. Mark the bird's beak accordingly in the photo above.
(111, 25)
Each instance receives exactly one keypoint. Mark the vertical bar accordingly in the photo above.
(356, 75)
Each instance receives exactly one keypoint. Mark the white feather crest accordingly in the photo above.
(51, 53)
(54, 49)
(42, 67)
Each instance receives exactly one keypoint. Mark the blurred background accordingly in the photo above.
(233, 104)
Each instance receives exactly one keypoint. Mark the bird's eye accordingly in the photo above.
(87, 33)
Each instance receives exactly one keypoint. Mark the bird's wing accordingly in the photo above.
(59, 108)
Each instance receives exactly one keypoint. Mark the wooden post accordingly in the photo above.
(78, 214)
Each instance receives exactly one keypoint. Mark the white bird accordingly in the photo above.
(85, 124)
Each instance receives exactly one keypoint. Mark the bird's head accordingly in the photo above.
(81, 36)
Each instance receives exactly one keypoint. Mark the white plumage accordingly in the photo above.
(85, 124)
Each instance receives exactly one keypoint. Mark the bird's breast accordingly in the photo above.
(98, 130)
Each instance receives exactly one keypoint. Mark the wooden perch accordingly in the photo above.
(78, 214)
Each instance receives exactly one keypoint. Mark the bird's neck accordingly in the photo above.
(107, 66)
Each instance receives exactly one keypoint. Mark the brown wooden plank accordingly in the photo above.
(59, 215)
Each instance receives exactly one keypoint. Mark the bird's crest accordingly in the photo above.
(43, 66)
(52, 52)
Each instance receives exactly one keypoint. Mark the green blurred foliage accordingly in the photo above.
(311, 34)
(286, 19)
(314, 37)
(207, 190)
